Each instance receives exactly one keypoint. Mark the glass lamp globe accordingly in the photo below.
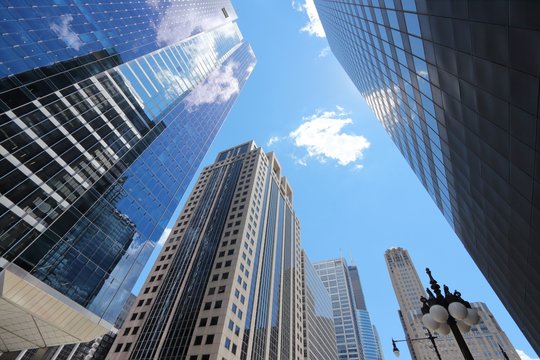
(457, 310)
(396, 352)
(472, 317)
(464, 328)
(438, 313)
(428, 322)
(444, 329)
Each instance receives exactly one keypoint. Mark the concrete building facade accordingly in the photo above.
(483, 339)
(228, 282)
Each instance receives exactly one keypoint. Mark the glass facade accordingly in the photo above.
(107, 109)
(455, 85)
(319, 333)
(370, 345)
(334, 274)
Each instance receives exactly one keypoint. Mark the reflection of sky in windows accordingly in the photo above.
(411, 124)
(157, 82)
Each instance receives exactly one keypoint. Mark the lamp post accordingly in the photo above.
(395, 349)
(448, 313)
(503, 352)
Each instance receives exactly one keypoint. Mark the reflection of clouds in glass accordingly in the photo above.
(176, 25)
(172, 83)
(219, 87)
(153, 3)
(65, 33)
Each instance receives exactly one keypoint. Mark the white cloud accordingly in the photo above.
(273, 140)
(322, 136)
(325, 52)
(524, 356)
(63, 30)
(313, 26)
(164, 236)
(219, 87)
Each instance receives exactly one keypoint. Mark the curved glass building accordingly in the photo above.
(107, 109)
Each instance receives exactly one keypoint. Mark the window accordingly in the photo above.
(135, 330)
(234, 349)
(127, 347)
(134, 316)
(214, 320)
(231, 325)
(141, 302)
(218, 304)
(148, 301)
(198, 340)
(207, 306)
(126, 332)
(228, 263)
(218, 265)
(215, 277)
(225, 276)
(221, 289)
(227, 343)
(203, 322)
(141, 316)
(118, 348)
(212, 291)
(209, 339)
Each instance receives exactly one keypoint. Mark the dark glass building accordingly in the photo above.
(106, 110)
(456, 86)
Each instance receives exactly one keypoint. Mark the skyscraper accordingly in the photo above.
(483, 340)
(319, 332)
(336, 278)
(371, 347)
(456, 84)
(107, 109)
(228, 282)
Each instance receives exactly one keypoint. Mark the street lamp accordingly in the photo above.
(395, 349)
(448, 313)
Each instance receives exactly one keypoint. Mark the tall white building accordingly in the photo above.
(336, 277)
(483, 339)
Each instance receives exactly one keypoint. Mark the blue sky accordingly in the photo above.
(353, 192)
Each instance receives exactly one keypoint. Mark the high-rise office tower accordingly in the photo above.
(371, 347)
(228, 282)
(456, 86)
(107, 109)
(319, 332)
(483, 339)
(337, 280)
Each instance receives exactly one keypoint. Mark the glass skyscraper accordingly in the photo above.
(319, 332)
(107, 109)
(456, 86)
(336, 278)
(371, 348)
